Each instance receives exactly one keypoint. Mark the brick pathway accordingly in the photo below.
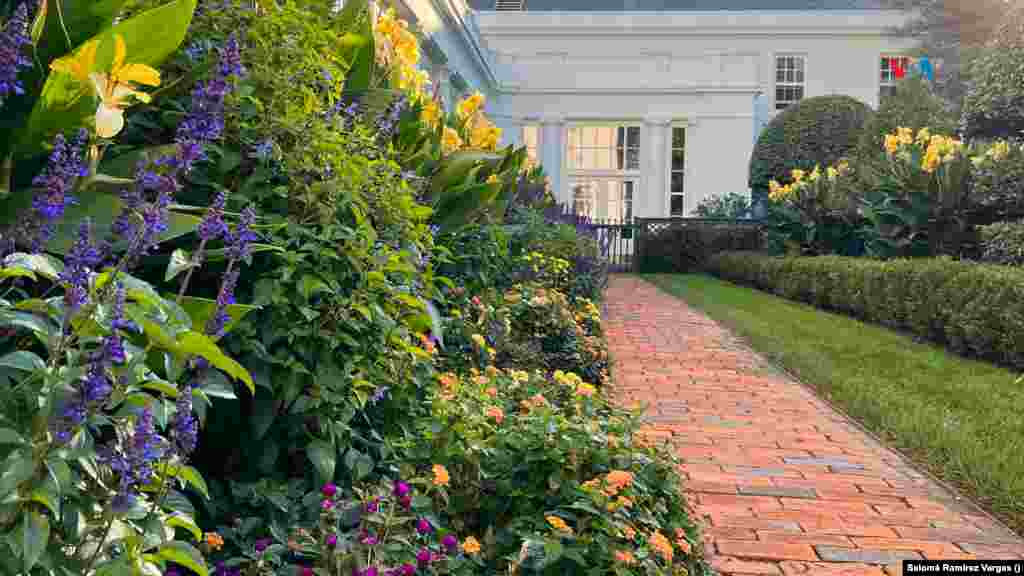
(783, 482)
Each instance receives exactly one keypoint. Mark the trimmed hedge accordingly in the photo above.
(1003, 243)
(974, 309)
(818, 130)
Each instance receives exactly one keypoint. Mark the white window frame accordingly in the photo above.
(887, 79)
(788, 83)
(615, 209)
(532, 152)
(672, 170)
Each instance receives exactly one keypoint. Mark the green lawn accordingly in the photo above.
(961, 419)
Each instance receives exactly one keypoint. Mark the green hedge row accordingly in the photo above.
(974, 309)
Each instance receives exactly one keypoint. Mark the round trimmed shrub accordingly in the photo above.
(818, 130)
(994, 104)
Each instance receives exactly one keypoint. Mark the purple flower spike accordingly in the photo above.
(56, 182)
(185, 425)
(213, 227)
(239, 241)
(78, 265)
(13, 57)
(215, 325)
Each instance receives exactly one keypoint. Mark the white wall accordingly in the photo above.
(698, 68)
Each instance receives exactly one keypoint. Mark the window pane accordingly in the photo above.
(678, 157)
(620, 153)
(676, 208)
(633, 134)
(800, 75)
(798, 92)
(677, 182)
(678, 137)
(780, 75)
(620, 136)
(604, 137)
(633, 159)
(798, 64)
(627, 193)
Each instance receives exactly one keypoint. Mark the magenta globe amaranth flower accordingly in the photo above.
(405, 501)
(332, 540)
(262, 544)
(408, 570)
(401, 488)
(450, 542)
(424, 527)
(329, 490)
(327, 504)
(423, 557)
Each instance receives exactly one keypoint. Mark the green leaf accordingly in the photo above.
(42, 264)
(193, 478)
(178, 520)
(215, 384)
(312, 285)
(220, 254)
(455, 168)
(184, 554)
(23, 360)
(8, 436)
(180, 261)
(192, 342)
(324, 458)
(202, 309)
(149, 37)
(35, 535)
(263, 413)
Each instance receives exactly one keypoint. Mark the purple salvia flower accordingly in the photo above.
(213, 227)
(231, 59)
(78, 264)
(185, 425)
(146, 447)
(13, 41)
(215, 325)
(56, 182)
(243, 235)
(96, 385)
(263, 150)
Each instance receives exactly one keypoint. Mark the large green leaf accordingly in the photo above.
(102, 209)
(184, 554)
(455, 168)
(202, 345)
(202, 309)
(149, 37)
(35, 535)
(324, 458)
(361, 73)
(461, 209)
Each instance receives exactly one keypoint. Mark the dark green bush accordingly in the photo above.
(994, 104)
(731, 205)
(818, 130)
(1003, 243)
(974, 309)
(997, 188)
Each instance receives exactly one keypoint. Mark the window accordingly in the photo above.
(675, 191)
(604, 148)
(789, 80)
(531, 139)
(604, 198)
(893, 68)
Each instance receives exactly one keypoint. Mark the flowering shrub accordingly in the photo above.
(108, 377)
(554, 479)
(383, 529)
(813, 198)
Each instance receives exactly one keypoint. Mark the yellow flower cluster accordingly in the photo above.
(559, 524)
(995, 153)
(803, 179)
(441, 477)
(661, 545)
(573, 381)
(398, 45)
(938, 149)
(481, 132)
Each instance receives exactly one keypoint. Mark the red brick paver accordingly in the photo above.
(783, 482)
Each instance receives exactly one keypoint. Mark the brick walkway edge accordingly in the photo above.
(784, 483)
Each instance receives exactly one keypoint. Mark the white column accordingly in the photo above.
(552, 150)
(655, 174)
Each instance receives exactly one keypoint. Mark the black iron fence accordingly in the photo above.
(663, 244)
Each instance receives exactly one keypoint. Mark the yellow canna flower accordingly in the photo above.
(431, 113)
(493, 179)
(892, 143)
(470, 105)
(923, 135)
(450, 140)
(114, 88)
(905, 135)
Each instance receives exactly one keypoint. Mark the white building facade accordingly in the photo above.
(638, 113)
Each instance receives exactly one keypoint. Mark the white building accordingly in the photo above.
(644, 108)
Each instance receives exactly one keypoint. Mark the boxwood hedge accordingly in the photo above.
(972, 308)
